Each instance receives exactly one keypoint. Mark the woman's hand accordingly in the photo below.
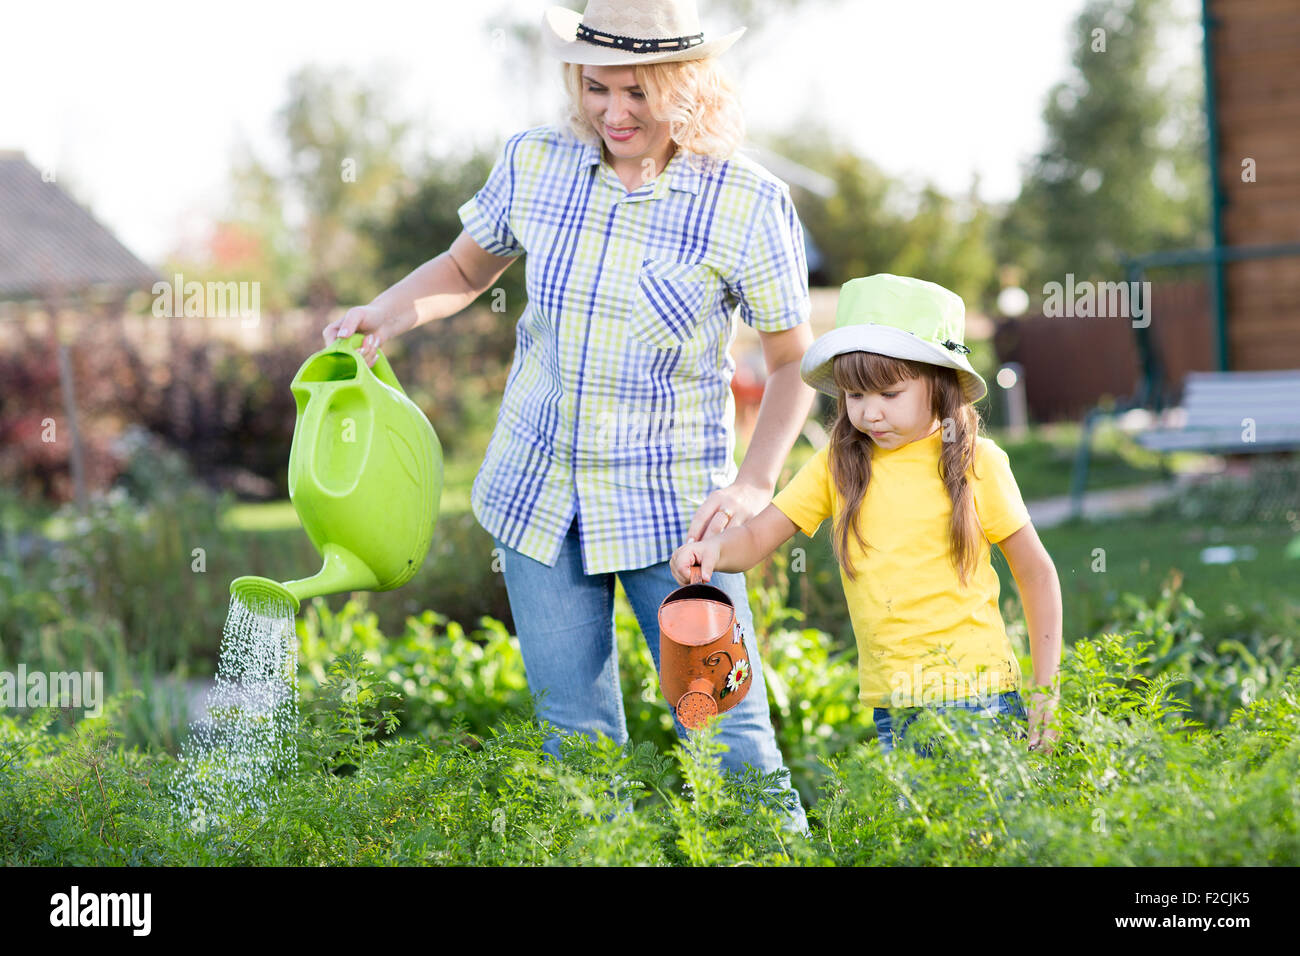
(1042, 714)
(726, 508)
(368, 319)
(703, 553)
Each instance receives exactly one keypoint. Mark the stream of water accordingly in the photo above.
(232, 761)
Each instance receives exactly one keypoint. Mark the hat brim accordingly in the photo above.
(560, 31)
(817, 367)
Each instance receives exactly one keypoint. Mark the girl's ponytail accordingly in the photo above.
(959, 427)
(850, 465)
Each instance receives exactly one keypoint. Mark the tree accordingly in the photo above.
(1123, 169)
(873, 223)
(315, 221)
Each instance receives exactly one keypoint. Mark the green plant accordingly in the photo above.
(1131, 782)
(356, 711)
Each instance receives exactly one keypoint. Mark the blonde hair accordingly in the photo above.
(851, 451)
(696, 98)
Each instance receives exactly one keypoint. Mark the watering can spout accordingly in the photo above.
(342, 571)
(262, 595)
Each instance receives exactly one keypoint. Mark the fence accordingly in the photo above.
(1073, 363)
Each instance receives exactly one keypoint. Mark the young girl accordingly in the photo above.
(916, 496)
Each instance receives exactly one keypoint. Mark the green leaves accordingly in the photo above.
(353, 711)
(1131, 781)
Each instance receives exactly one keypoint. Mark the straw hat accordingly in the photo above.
(610, 33)
(900, 317)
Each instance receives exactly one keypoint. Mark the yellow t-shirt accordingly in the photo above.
(922, 639)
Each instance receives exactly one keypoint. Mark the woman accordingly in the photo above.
(615, 442)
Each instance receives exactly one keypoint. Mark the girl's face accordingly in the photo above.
(617, 109)
(895, 416)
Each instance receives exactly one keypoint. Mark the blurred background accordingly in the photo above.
(315, 154)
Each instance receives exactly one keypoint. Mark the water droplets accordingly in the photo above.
(233, 759)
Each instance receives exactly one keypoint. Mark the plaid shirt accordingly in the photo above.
(618, 406)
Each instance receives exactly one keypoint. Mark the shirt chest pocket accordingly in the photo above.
(670, 300)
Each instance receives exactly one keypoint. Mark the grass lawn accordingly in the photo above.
(1042, 462)
(1141, 553)
(1097, 562)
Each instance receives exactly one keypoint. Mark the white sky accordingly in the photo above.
(138, 105)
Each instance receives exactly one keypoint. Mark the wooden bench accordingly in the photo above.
(1233, 413)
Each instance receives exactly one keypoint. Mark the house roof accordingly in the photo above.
(49, 242)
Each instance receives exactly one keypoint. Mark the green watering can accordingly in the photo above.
(365, 477)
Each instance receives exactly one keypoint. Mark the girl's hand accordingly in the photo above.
(726, 508)
(703, 553)
(1042, 713)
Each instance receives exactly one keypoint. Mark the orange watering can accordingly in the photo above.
(704, 668)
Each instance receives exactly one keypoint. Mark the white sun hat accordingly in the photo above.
(610, 33)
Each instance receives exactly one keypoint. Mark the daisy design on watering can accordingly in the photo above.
(704, 669)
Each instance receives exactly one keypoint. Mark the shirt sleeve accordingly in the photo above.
(772, 283)
(998, 503)
(806, 499)
(486, 217)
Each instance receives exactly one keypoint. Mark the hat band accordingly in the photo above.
(636, 45)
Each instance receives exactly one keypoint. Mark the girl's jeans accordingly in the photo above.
(1006, 710)
(565, 622)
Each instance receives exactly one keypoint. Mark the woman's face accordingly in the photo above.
(894, 416)
(617, 109)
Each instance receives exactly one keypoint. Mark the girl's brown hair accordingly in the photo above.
(851, 451)
(696, 98)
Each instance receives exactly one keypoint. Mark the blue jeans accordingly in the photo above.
(565, 623)
(1003, 709)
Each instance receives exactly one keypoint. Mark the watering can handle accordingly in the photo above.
(695, 574)
(381, 369)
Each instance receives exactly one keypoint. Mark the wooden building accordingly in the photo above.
(58, 265)
(1253, 100)
(1246, 317)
